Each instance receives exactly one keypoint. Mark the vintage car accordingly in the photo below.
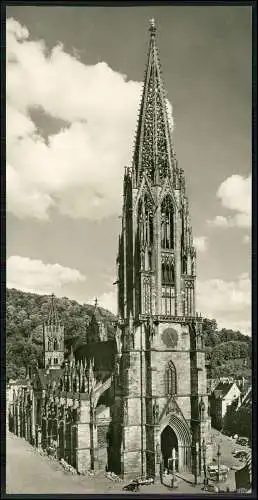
(243, 441)
(132, 486)
(240, 454)
(214, 471)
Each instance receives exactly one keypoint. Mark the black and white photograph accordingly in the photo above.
(128, 249)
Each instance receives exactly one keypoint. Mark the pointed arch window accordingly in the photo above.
(171, 379)
(140, 222)
(55, 345)
(145, 231)
(168, 272)
(167, 224)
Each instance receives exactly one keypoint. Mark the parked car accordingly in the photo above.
(132, 486)
(243, 441)
(240, 454)
(213, 471)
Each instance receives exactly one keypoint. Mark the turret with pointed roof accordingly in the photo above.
(53, 337)
(96, 331)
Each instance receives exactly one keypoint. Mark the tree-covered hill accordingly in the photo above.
(25, 315)
(228, 351)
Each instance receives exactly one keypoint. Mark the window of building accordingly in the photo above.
(171, 379)
(168, 301)
(167, 224)
(168, 272)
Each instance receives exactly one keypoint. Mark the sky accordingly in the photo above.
(74, 83)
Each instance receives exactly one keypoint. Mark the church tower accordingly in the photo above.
(53, 338)
(161, 401)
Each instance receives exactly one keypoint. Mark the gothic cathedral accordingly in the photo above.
(160, 389)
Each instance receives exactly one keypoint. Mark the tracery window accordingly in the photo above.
(167, 224)
(168, 301)
(145, 224)
(171, 379)
(55, 345)
(168, 272)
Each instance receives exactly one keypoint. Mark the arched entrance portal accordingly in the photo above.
(168, 443)
(175, 433)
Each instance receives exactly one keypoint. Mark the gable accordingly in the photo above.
(233, 391)
(168, 190)
(144, 188)
(171, 406)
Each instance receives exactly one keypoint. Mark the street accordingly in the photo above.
(29, 472)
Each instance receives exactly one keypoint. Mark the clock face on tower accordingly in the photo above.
(170, 337)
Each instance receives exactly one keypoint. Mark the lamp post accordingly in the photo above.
(204, 450)
(218, 456)
(196, 462)
(173, 467)
(173, 460)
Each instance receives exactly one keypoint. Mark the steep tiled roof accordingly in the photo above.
(102, 353)
(222, 389)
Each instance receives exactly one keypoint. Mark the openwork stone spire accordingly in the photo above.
(53, 318)
(153, 148)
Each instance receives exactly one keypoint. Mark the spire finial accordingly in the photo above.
(96, 303)
(152, 28)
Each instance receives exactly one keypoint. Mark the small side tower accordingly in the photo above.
(53, 338)
(96, 331)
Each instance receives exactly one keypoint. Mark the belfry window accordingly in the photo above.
(168, 273)
(145, 221)
(55, 345)
(167, 224)
(171, 379)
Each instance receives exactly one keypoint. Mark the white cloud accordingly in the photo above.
(78, 170)
(218, 221)
(229, 302)
(235, 194)
(201, 243)
(36, 276)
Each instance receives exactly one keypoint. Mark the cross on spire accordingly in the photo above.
(152, 27)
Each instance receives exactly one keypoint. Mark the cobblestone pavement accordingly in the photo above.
(29, 472)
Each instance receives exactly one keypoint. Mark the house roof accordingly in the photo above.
(222, 389)
(103, 354)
